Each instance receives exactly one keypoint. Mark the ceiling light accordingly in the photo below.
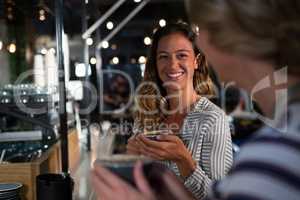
(109, 25)
(1, 45)
(89, 41)
(137, 1)
(42, 12)
(142, 59)
(12, 48)
(162, 23)
(93, 60)
(115, 60)
(42, 18)
(80, 70)
(147, 41)
(105, 44)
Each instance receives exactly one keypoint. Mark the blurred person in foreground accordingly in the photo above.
(259, 40)
(154, 183)
(256, 38)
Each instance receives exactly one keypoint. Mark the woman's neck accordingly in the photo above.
(182, 100)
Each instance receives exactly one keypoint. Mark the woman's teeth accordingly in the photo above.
(175, 75)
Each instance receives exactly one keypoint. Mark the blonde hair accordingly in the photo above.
(151, 101)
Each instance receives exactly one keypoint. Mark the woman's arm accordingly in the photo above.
(215, 155)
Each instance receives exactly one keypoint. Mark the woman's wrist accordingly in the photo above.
(186, 166)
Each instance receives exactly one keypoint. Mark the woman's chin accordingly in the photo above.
(173, 89)
(174, 85)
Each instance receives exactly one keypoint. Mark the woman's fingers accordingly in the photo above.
(141, 144)
(153, 149)
(149, 143)
(153, 153)
(160, 150)
(132, 138)
(132, 142)
(133, 146)
(161, 145)
(168, 138)
(133, 151)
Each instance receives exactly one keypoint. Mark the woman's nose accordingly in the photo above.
(173, 61)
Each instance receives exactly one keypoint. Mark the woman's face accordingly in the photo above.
(176, 62)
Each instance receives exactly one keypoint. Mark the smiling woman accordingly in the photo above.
(172, 98)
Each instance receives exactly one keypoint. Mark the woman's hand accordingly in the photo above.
(110, 187)
(133, 146)
(168, 147)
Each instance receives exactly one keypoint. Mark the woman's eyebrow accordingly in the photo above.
(179, 50)
(161, 51)
(183, 50)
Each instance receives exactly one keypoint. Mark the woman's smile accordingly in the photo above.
(175, 75)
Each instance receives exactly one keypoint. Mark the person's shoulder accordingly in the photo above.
(205, 107)
(207, 114)
(269, 164)
(273, 150)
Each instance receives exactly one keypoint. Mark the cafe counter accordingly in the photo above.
(48, 162)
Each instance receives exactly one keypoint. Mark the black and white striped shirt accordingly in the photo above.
(205, 132)
(268, 166)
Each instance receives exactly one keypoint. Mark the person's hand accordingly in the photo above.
(133, 146)
(176, 187)
(168, 147)
(110, 187)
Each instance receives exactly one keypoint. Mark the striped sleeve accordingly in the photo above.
(215, 154)
(266, 168)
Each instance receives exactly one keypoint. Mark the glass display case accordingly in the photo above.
(28, 122)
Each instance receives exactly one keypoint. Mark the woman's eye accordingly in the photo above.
(182, 55)
(162, 56)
